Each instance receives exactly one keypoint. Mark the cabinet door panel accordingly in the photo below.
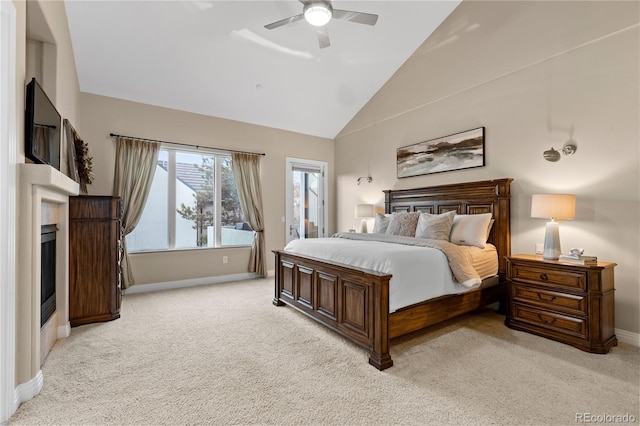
(94, 259)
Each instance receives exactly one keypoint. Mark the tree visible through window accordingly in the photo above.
(200, 212)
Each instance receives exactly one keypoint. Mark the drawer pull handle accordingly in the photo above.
(544, 277)
(546, 299)
(546, 321)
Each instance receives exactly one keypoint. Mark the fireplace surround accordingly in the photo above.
(43, 200)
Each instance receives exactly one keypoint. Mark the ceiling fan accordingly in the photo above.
(319, 12)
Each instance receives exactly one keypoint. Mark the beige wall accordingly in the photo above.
(44, 21)
(101, 116)
(533, 74)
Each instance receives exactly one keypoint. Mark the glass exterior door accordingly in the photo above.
(305, 199)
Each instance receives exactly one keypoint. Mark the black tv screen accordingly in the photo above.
(42, 127)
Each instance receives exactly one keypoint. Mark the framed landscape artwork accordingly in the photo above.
(454, 152)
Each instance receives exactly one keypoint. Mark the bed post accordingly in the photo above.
(278, 280)
(503, 214)
(379, 356)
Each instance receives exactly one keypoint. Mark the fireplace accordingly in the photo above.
(47, 273)
(44, 200)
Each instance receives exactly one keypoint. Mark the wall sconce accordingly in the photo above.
(554, 207)
(569, 148)
(364, 211)
(367, 178)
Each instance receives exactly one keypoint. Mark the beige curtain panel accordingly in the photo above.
(134, 169)
(246, 171)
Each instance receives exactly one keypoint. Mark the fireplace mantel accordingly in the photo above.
(47, 177)
(40, 188)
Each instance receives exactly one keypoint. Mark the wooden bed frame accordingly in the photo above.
(354, 302)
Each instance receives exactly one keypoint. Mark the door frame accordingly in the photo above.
(8, 221)
(291, 162)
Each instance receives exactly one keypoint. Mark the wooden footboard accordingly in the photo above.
(353, 302)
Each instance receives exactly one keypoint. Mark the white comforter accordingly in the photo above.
(418, 273)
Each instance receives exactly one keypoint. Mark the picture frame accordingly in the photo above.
(458, 151)
(70, 136)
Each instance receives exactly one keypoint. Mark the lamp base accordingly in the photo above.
(363, 226)
(552, 241)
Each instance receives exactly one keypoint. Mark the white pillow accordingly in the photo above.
(381, 223)
(435, 226)
(470, 229)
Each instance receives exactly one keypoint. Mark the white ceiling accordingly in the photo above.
(216, 58)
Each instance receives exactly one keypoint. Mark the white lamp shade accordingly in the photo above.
(553, 206)
(364, 210)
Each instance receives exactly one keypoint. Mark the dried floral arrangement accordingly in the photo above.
(85, 164)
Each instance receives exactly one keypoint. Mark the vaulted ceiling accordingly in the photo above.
(216, 57)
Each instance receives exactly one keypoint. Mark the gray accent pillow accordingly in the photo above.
(403, 223)
(435, 226)
(381, 223)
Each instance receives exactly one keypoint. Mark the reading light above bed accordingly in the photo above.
(554, 207)
(569, 148)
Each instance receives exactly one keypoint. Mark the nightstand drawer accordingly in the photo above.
(572, 303)
(553, 277)
(551, 320)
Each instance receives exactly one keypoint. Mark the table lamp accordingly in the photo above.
(554, 207)
(364, 211)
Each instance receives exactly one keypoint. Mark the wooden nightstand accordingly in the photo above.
(572, 304)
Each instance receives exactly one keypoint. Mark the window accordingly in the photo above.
(193, 203)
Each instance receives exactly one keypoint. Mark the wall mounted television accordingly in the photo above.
(42, 134)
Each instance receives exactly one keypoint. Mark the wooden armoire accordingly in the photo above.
(94, 259)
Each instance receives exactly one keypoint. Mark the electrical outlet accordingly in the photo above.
(225, 259)
(539, 248)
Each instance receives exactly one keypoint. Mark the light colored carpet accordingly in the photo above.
(223, 354)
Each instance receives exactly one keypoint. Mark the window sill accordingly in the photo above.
(187, 249)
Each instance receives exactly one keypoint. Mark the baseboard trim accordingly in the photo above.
(64, 331)
(26, 391)
(169, 285)
(628, 337)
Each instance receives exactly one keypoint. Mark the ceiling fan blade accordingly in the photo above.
(284, 22)
(323, 37)
(359, 17)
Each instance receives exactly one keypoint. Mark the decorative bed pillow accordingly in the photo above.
(435, 226)
(470, 229)
(381, 223)
(403, 223)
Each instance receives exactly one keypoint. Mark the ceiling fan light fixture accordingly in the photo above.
(318, 14)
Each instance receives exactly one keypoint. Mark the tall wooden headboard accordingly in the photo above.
(488, 196)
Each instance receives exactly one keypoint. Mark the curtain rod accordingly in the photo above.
(113, 135)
